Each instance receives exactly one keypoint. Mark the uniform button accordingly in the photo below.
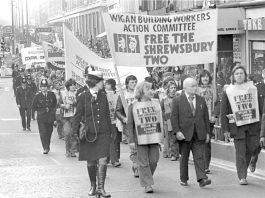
(98, 109)
(97, 103)
(98, 115)
(98, 121)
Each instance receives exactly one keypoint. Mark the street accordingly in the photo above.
(26, 172)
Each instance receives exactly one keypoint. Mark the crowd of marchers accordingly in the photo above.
(96, 118)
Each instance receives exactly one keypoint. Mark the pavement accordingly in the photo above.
(26, 173)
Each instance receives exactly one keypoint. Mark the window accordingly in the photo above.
(257, 59)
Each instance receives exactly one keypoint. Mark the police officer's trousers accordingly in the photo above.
(45, 130)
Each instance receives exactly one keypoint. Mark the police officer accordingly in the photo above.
(33, 88)
(24, 100)
(45, 105)
(15, 74)
(19, 78)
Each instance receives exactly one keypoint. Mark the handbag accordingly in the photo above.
(84, 129)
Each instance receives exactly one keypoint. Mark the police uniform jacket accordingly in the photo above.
(237, 132)
(24, 97)
(33, 87)
(18, 81)
(97, 117)
(45, 106)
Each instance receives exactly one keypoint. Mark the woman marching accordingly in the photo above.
(93, 106)
(237, 122)
(206, 90)
(145, 129)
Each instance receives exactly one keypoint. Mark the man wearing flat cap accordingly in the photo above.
(93, 107)
(45, 105)
(24, 99)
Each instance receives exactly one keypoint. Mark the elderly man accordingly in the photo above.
(190, 121)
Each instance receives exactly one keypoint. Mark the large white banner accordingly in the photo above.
(78, 57)
(144, 40)
(32, 56)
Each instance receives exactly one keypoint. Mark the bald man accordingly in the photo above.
(190, 121)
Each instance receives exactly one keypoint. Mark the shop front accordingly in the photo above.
(231, 40)
(254, 25)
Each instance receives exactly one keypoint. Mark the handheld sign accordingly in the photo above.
(148, 121)
(244, 103)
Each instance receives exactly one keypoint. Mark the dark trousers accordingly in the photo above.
(244, 150)
(25, 113)
(115, 146)
(45, 130)
(197, 147)
(208, 149)
(33, 114)
(15, 89)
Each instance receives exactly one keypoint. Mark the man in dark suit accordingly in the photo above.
(178, 80)
(190, 121)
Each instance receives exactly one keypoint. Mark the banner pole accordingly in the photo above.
(215, 65)
(125, 106)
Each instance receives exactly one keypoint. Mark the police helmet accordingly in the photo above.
(44, 83)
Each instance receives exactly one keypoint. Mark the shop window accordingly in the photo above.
(257, 59)
(225, 55)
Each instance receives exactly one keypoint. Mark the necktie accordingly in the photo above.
(191, 105)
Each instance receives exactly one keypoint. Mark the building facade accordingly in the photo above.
(82, 16)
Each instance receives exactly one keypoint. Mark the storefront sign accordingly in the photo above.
(252, 24)
(228, 20)
(155, 41)
(236, 48)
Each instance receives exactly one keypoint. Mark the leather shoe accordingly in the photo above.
(204, 182)
(149, 189)
(46, 151)
(135, 172)
(182, 183)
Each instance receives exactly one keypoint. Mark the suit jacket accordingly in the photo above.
(180, 87)
(261, 93)
(235, 131)
(183, 120)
